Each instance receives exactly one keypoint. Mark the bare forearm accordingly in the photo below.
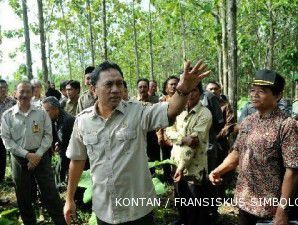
(176, 106)
(289, 184)
(76, 168)
(230, 163)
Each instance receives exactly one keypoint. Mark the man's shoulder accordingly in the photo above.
(86, 112)
(9, 111)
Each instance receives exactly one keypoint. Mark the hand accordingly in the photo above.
(190, 78)
(281, 217)
(191, 142)
(178, 175)
(33, 158)
(215, 178)
(30, 166)
(69, 210)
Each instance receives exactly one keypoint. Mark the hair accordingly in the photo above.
(35, 82)
(278, 86)
(125, 84)
(214, 82)
(25, 82)
(63, 85)
(143, 79)
(53, 101)
(3, 82)
(164, 86)
(154, 81)
(89, 69)
(74, 84)
(106, 65)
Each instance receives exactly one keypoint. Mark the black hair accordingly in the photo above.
(278, 86)
(154, 81)
(125, 84)
(3, 82)
(164, 85)
(214, 82)
(143, 79)
(89, 69)
(63, 85)
(74, 84)
(106, 65)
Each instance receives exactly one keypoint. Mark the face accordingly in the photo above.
(262, 98)
(109, 88)
(3, 90)
(64, 92)
(171, 86)
(71, 92)
(152, 87)
(193, 98)
(37, 90)
(24, 94)
(143, 88)
(214, 89)
(88, 79)
(53, 112)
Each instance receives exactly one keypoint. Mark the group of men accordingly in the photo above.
(118, 134)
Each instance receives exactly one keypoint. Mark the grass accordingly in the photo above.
(163, 216)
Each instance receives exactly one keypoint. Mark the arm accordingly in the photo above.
(8, 142)
(229, 123)
(189, 80)
(230, 163)
(76, 168)
(288, 189)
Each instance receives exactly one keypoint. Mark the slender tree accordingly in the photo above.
(27, 40)
(224, 47)
(183, 31)
(91, 32)
(135, 39)
(151, 43)
(105, 31)
(271, 42)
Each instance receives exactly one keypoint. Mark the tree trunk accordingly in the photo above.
(49, 60)
(224, 47)
(105, 32)
(183, 29)
(67, 42)
(91, 32)
(135, 40)
(219, 46)
(151, 43)
(27, 40)
(232, 42)
(270, 47)
(42, 43)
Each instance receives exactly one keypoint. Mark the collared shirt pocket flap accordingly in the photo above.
(125, 134)
(90, 139)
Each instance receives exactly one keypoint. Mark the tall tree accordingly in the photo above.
(27, 40)
(42, 42)
(151, 43)
(232, 46)
(183, 30)
(91, 32)
(270, 45)
(224, 47)
(105, 30)
(135, 39)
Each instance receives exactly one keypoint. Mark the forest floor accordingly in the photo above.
(163, 215)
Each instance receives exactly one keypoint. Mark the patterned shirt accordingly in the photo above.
(6, 104)
(116, 148)
(267, 145)
(195, 123)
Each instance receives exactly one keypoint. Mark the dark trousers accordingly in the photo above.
(146, 220)
(2, 160)
(43, 176)
(191, 215)
(62, 168)
(246, 218)
(166, 154)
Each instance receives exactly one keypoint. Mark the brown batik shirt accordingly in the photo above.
(267, 145)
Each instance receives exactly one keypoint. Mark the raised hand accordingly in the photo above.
(191, 77)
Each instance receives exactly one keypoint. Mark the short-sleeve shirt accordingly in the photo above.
(266, 145)
(86, 100)
(71, 107)
(116, 148)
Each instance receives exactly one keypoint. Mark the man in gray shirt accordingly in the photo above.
(113, 135)
(27, 133)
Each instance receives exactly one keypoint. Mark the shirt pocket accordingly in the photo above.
(93, 146)
(124, 137)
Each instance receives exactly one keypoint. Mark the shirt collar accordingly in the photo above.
(269, 115)
(16, 109)
(196, 108)
(121, 108)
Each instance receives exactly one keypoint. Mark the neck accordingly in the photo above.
(151, 93)
(104, 111)
(144, 97)
(263, 112)
(24, 107)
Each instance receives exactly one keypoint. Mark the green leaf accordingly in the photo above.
(85, 180)
(10, 213)
(93, 220)
(87, 195)
(160, 188)
(159, 163)
(4, 221)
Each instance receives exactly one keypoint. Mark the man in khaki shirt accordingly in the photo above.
(27, 133)
(88, 98)
(73, 88)
(113, 136)
(190, 135)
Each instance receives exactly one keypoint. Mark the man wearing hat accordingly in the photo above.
(266, 152)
